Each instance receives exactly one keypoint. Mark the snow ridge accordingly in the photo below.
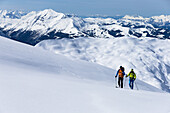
(49, 24)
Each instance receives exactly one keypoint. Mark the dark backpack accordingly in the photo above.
(123, 69)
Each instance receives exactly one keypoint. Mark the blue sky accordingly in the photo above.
(92, 7)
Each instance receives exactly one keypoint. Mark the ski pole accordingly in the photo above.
(125, 82)
(115, 81)
(136, 85)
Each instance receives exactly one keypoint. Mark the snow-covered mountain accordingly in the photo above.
(163, 20)
(48, 24)
(36, 81)
(11, 14)
(33, 27)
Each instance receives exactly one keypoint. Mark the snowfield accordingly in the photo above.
(149, 57)
(33, 80)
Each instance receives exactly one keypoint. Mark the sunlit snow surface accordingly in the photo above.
(150, 58)
(36, 81)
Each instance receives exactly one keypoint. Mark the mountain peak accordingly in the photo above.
(50, 12)
(3, 13)
(11, 14)
(164, 18)
(133, 17)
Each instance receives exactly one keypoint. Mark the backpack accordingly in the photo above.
(121, 73)
(123, 69)
(132, 73)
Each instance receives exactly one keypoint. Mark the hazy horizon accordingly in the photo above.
(144, 8)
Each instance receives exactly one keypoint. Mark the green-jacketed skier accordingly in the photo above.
(132, 77)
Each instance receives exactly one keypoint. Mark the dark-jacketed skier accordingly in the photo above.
(120, 73)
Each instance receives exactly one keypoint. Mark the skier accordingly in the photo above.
(121, 74)
(132, 77)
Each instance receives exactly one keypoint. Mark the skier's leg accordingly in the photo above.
(129, 83)
(119, 81)
(132, 83)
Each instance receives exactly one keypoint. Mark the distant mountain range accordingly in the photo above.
(33, 27)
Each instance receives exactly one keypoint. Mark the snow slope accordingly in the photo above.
(36, 81)
(149, 57)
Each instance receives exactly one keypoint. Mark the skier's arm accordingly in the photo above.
(127, 75)
(123, 73)
(134, 76)
(117, 73)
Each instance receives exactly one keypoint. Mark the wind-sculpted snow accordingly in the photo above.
(33, 27)
(149, 57)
